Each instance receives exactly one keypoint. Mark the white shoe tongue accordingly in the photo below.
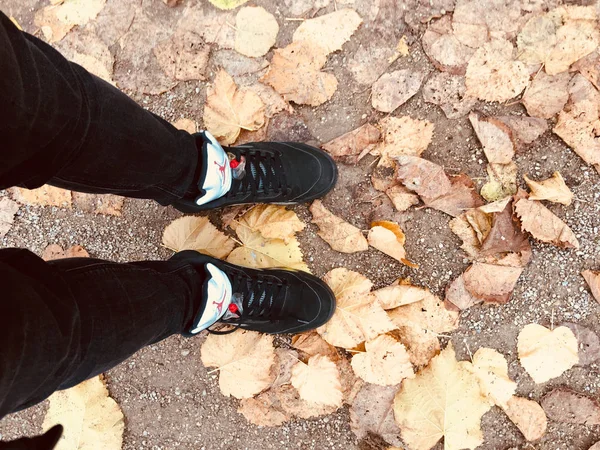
(218, 299)
(217, 181)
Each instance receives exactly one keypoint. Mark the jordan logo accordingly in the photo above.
(221, 169)
(220, 304)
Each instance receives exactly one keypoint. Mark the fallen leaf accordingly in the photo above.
(443, 48)
(351, 384)
(227, 4)
(593, 280)
(183, 56)
(339, 234)
(401, 197)
(403, 136)
(8, 209)
(358, 316)
(55, 251)
(311, 343)
(285, 360)
(491, 369)
(394, 89)
(547, 95)
(260, 411)
(388, 237)
(493, 74)
(589, 67)
(528, 416)
(567, 406)
(255, 31)
(295, 73)
(351, 147)
(495, 137)
(385, 362)
(318, 381)
(449, 93)
(199, 234)
(372, 412)
(391, 297)
(526, 130)
(546, 354)
(544, 225)
(553, 189)
(90, 418)
(419, 325)
(186, 125)
(502, 181)
(56, 20)
(272, 221)
(106, 204)
(213, 25)
(588, 343)
(423, 177)
(490, 282)
(243, 359)
(457, 297)
(274, 103)
(228, 109)
(443, 400)
(44, 196)
(596, 446)
(371, 60)
(291, 403)
(461, 197)
(329, 31)
(85, 48)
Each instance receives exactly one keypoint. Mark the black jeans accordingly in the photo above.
(64, 321)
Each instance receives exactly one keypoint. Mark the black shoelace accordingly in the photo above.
(264, 174)
(261, 300)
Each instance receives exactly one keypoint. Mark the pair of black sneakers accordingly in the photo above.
(270, 300)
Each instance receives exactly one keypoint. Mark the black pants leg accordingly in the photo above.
(64, 321)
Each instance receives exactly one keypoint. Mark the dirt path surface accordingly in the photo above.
(168, 398)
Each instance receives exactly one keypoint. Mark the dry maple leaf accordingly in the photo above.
(495, 137)
(528, 416)
(403, 136)
(8, 209)
(358, 316)
(546, 354)
(183, 56)
(544, 225)
(443, 48)
(57, 19)
(443, 400)
(394, 89)
(329, 31)
(553, 189)
(55, 251)
(272, 221)
(338, 233)
(491, 369)
(228, 109)
(401, 294)
(502, 181)
(449, 93)
(547, 94)
(255, 31)
(197, 233)
(354, 145)
(91, 419)
(593, 280)
(243, 359)
(567, 406)
(494, 75)
(295, 73)
(318, 381)
(401, 197)
(385, 362)
(43, 196)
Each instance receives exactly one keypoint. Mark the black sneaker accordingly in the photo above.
(260, 172)
(270, 301)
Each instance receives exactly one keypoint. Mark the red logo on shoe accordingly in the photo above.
(221, 168)
(220, 304)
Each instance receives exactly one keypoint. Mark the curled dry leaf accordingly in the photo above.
(394, 89)
(443, 400)
(57, 19)
(372, 412)
(544, 225)
(388, 237)
(593, 280)
(358, 316)
(8, 209)
(228, 109)
(547, 94)
(494, 75)
(197, 233)
(502, 181)
(295, 73)
(318, 381)
(528, 416)
(55, 251)
(401, 294)
(329, 31)
(403, 136)
(243, 359)
(311, 343)
(338, 233)
(444, 50)
(401, 197)
(589, 343)
(354, 145)
(491, 370)
(274, 103)
(553, 189)
(385, 362)
(255, 31)
(183, 56)
(90, 418)
(547, 354)
(449, 93)
(495, 137)
(272, 221)
(565, 405)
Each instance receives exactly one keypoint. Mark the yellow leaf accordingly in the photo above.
(547, 354)
(56, 21)
(255, 31)
(544, 225)
(44, 196)
(385, 362)
(329, 31)
(403, 136)
(272, 221)
(338, 233)
(391, 297)
(91, 419)
(244, 361)
(553, 189)
(593, 280)
(227, 4)
(503, 181)
(197, 233)
(228, 109)
(388, 237)
(491, 369)
(318, 381)
(528, 416)
(443, 400)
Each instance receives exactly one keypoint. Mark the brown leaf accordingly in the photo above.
(528, 416)
(544, 225)
(444, 50)
(458, 297)
(339, 234)
(394, 89)
(596, 446)
(589, 67)
(547, 94)
(44, 196)
(57, 19)
(372, 412)
(55, 251)
(491, 283)
(186, 124)
(403, 136)
(255, 31)
(313, 344)
(262, 410)
(462, 196)
(274, 103)
(565, 405)
(401, 197)
(593, 280)
(198, 234)
(553, 189)
(423, 177)
(107, 204)
(525, 129)
(354, 145)
(295, 73)
(589, 343)
(272, 221)
(495, 137)
(212, 25)
(449, 93)
(8, 209)
(183, 56)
